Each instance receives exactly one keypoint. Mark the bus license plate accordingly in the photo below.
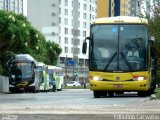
(118, 86)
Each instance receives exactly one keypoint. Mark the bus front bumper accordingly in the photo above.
(26, 88)
(119, 86)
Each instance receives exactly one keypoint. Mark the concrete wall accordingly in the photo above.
(4, 84)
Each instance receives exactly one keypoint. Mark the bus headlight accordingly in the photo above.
(97, 78)
(139, 78)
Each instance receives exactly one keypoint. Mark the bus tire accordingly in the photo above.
(34, 90)
(37, 91)
(111, 93)
(97, 94)
(12, 91)
(142, 93)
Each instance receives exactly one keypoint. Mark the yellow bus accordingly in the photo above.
(120, 56)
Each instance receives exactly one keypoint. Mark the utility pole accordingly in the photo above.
(66, 69)
(76, 33)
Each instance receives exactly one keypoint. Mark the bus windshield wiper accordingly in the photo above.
(127, 63)
(106, 67)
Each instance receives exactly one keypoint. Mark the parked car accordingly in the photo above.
(73, 83)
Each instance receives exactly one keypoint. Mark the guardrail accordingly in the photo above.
(4, 84)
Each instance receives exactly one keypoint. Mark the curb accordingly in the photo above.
(153, 97)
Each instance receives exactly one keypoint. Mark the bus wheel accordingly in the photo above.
(97, 94)
(12, 91)
(34, 90)
(37, 91)
(111, 94)
(60, 88)
(142, 93)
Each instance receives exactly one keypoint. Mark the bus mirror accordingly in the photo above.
(151, 40)
(84, 47)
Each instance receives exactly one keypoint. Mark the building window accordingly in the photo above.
(84, 6)
(66, 2)
(79, 5)
(66, 49)
(59, 10)
(81, 62)
(84, 25)
(59, 39)
(66, 21)
(84, 15)
(75, 41)
(72, 41)
(66, 31)
(66, 40)
(66, 11)
(59, 19)
(93, 17)
(76, 32)
(75, 50)
(84, 33)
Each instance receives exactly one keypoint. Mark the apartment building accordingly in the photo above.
(108, 8)
(135, 9)
(12, 5)
(124, 8)
(67, 23)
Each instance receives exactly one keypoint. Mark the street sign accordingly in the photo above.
(71, 62)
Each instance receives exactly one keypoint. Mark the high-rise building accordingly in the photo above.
(108, 8)
(124, 7)
(140, 7)
(12, 5)
(67, 23)
(135, 9)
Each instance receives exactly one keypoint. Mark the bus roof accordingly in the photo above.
(40, 64)
(51, 67)
(23, 58)
(54, 67)
(120, 20)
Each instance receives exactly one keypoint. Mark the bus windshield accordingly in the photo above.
(22, 70)
(118, 47)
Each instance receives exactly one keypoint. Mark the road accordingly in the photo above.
(70, 103)
(67, 97)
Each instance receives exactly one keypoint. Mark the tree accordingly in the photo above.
(17, 35)
(153, 21)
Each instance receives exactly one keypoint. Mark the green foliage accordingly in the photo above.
(153, 21)
(158, 76)
(19, 36)
(157, 92)
(1, 69)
